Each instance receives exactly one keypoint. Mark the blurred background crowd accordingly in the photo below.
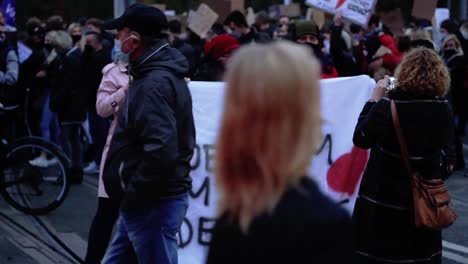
(50, 53)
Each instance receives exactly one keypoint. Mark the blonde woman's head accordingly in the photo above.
(59, 39)
(423, 73)
(270, 127)
(452, 42)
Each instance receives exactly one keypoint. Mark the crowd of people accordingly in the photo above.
(67, 62)
(76, 81)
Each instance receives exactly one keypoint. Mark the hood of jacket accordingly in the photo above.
(160, 56)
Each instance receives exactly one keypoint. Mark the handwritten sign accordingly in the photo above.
(357, 11)
(202, 20)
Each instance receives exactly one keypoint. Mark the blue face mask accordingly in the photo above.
(118, 55)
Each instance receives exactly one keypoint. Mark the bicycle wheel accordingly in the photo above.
(31, 187)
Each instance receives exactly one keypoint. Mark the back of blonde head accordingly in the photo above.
(270, 127)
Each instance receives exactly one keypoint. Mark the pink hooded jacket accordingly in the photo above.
(110, 98)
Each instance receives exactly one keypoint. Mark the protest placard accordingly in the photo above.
(250, 16)
(319, 17)
(357, 11)
(394, 21)
(202, 20)
(292, 10)
(224, 7)
(424, 9)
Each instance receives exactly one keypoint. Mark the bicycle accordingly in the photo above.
(29, 187)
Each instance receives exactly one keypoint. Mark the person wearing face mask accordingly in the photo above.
(148, 162)
(75, 32)
(68, 99)
(110, 100)
(95, 57)
(453, 56)
(307, 33)
(97, 25)
(237, 24)
(43, 121)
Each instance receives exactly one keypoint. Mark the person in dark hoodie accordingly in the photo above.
(307, 33)
(152, 144)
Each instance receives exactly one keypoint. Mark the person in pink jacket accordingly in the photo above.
(111, 96)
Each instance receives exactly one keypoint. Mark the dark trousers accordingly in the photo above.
(70, 138)
(460, 124)
(101, 229)
(99, 127)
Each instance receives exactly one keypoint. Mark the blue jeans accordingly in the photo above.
(49, 122)
(148, 235)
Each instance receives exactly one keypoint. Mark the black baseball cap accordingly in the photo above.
(144, 19)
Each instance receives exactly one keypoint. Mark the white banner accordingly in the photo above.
(337, 167)
(357, 11)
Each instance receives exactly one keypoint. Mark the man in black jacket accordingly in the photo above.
(153, 144)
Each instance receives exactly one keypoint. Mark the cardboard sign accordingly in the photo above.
(224, 7)
(394, 21)
(250, 16)
(292, 10)
(237, 5)
(357, 11)
(424, 9)
(202, 20)
(319, 17)
(309, 14)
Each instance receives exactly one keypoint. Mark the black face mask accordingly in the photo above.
(48, 47)
(76, 38)
(314, 48)
(449, 53)
(88, 49)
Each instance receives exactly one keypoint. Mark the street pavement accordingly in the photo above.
(70, 223)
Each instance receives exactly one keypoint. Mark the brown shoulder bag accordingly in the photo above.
(431, 198)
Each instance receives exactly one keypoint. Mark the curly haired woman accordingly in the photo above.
(383, 218)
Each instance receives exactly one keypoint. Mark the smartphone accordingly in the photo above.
(391, 83)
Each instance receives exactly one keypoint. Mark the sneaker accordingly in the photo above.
(39, 162)
(52, 161)
(91, 168)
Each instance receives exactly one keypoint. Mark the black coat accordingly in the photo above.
(155, 138)
(305, 227)
(93, 64)
(343, 59)
(68, 95)
(383, 216)
(459, 96)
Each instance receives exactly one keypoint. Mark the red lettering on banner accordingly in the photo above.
(340, 3)
(344, 174)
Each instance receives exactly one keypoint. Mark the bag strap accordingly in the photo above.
(401, 139)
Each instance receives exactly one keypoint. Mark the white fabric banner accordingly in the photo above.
(337, 167)
(357, 11)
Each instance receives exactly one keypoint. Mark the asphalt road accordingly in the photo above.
(71, 221)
